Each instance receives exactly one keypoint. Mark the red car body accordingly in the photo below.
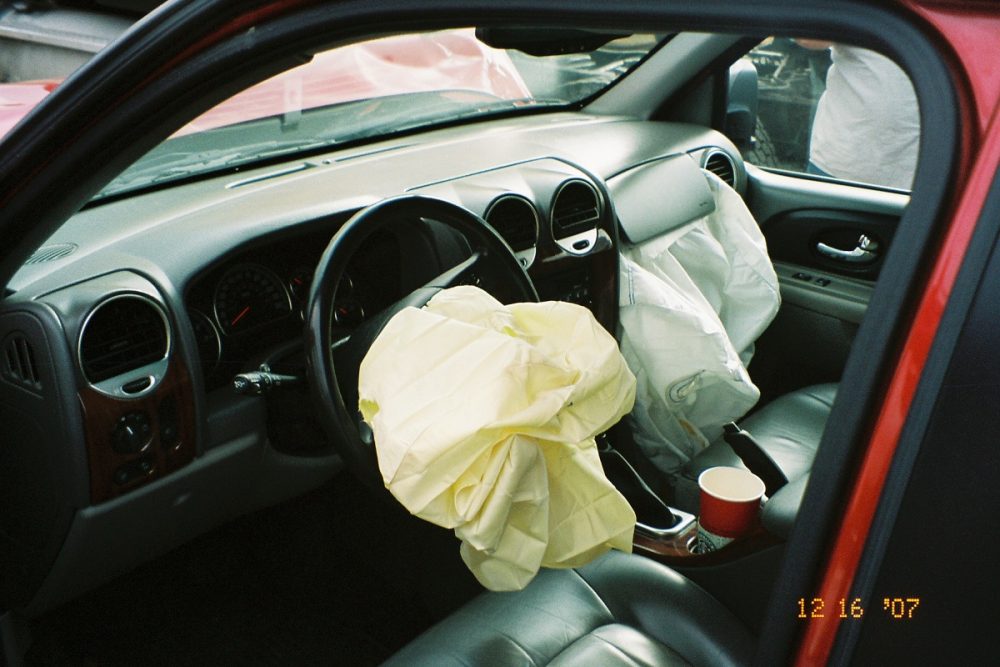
(17, 99)
(966, 29)
(964, 34)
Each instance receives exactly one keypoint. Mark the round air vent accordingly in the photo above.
(121, 335)
(576, 212)
(516, 220)
(720, 164)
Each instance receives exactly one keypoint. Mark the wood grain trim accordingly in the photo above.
(100, 415)
(675, 551)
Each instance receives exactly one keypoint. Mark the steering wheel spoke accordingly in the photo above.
(339, 335)
(335, 352)
(466, 272)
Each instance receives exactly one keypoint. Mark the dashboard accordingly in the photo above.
(125, 330)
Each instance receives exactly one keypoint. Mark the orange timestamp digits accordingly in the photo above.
(900, 608)
(896, 608)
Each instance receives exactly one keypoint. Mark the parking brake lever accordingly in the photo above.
(261, 381)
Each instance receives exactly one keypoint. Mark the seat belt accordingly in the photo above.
(755, 458)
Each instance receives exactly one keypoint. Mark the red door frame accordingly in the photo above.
(968, 34)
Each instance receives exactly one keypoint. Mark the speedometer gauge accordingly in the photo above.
(247, 296)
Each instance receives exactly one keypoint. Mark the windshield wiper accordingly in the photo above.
(405, 120)
(522, 103)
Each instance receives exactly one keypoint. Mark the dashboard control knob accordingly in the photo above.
(131, 433)
(129, 472)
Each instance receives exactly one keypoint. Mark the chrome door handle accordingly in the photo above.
(865, 252)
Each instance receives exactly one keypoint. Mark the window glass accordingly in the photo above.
(834, 110)
(372, 90)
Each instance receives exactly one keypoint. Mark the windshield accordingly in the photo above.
(375, 89)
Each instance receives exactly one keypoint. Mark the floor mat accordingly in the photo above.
(336, 577)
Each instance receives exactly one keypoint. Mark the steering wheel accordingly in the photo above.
(334, 353)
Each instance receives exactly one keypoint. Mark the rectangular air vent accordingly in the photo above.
(19, 366)
(50, 253)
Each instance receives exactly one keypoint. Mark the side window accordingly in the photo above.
(832, 110)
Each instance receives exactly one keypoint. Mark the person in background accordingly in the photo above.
(867, 122)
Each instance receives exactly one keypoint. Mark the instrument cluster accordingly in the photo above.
(257, 300)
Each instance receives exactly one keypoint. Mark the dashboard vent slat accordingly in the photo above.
(722, 166)
(576, 209)
(51, 253)
(122, 334)
(19, 365)
(515, 220)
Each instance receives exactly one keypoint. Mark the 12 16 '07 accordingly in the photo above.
(896, 608)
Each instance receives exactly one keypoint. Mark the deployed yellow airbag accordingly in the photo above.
(484, 418)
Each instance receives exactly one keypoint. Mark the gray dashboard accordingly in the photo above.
(211, 455)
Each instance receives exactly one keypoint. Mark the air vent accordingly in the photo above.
(49, 253)
(19, 365)
(576, 210)
(721, 165)
(515, 220)
(122, 334)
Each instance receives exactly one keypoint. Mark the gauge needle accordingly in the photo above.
(240, 316)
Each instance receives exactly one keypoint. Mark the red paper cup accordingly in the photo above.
(730, 500)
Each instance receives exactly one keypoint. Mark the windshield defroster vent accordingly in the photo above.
(515, 220)
(122, 334)
(722, 166)
(19, 366)
(49, 253)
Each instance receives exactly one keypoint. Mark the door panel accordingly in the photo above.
(828, 241)
(839, 297)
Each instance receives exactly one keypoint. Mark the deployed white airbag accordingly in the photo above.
(484, 418)
(693, 301)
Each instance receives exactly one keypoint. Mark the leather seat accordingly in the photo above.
(625, 609)
(622, 609)
(788, 428)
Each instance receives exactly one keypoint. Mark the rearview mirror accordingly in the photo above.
(545, 41)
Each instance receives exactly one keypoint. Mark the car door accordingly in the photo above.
(917, 591)
(827, 234)
(814, 232)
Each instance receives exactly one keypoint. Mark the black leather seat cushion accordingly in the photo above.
(788, 428)
(621, 609)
